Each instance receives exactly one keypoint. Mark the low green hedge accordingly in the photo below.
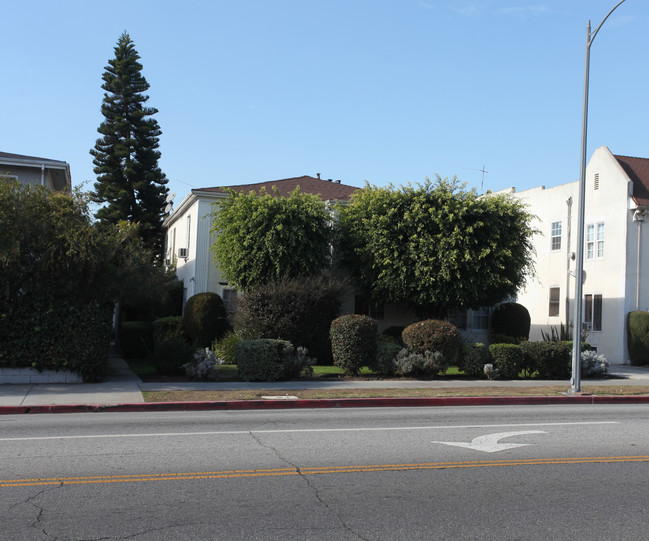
(507, 359)
(169, 327)
(56, 336)
(266, 359)
(550, 360)
(170, 356)
(472, 358)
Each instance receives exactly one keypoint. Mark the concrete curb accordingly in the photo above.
(325, 403)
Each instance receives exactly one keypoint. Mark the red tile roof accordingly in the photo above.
(325, 189)
(637, 170)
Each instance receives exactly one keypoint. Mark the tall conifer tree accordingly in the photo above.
(126, 157)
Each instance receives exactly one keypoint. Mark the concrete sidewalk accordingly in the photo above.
(122, 386)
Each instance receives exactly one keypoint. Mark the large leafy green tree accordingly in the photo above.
(436, 247)
(126, 156)
(262, 237)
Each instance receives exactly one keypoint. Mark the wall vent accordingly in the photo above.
(596, 183)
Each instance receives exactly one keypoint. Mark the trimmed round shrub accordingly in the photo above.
(353, 342)
(136, 339)
(205, 318)
(637, 330)
(427, 364)
(472, 359)
(433, 335)
(550, 360)
(386, 353)
(171, 355)
(169, 327)
(266, 359)
(511, 319)
(507, 359)
(298, 310)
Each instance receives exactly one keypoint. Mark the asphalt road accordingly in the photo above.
(562, 472)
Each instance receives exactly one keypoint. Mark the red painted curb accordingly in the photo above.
(325, 403)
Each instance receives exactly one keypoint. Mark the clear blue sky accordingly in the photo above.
(377, 90)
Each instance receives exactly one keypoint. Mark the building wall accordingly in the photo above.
(192, 225)
(606, 202)
(28, 175)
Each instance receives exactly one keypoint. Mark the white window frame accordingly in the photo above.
(556, 304)
(592, 317)
(555, 236)
(478, 317)
(595, 238)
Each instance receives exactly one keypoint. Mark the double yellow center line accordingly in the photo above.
(229, 474)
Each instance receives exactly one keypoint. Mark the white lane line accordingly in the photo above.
(298, 431)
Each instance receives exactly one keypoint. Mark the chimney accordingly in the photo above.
(318, 175)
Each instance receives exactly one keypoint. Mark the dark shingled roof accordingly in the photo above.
(327, 190)
(20, 158)
(637, 170)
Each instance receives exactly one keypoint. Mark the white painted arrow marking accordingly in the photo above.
(489, 443)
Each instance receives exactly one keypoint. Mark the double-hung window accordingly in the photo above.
(554, 303)
(555, 242)
(595, 241)
(593, 312)
(480, 319)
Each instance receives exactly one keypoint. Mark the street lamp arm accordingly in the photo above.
(594, 33)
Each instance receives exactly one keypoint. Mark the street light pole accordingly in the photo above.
(575, 381)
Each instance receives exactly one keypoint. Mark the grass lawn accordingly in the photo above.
(145, 369)
(554, 390)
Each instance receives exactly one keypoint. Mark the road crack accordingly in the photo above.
(308, 483)
(31, 500)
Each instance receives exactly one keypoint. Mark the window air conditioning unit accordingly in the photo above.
(586, 326)
(182, 252)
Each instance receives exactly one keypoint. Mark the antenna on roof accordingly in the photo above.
(483, 172)
(169, 203)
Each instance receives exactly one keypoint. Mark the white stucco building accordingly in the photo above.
(616, 251)
(187, 230)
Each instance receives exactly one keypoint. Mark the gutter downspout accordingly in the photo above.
(42, 174)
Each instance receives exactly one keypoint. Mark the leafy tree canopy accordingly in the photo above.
(263, 237)
(51, 249)
(436, 247)
(129, 179)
